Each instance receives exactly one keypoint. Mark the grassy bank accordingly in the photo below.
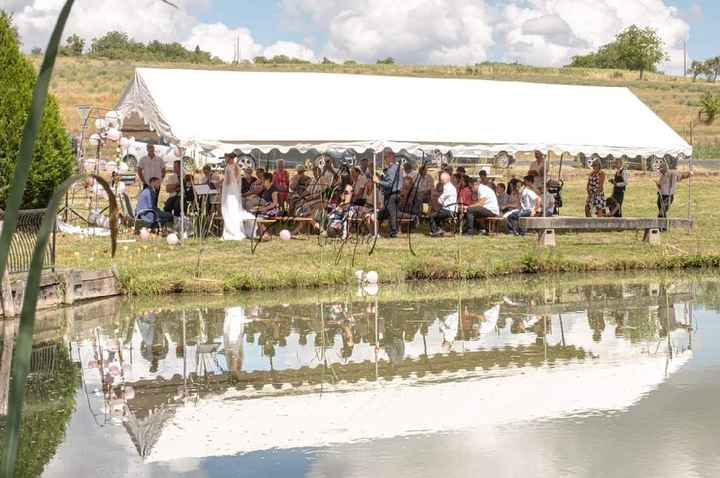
(87, 81)
(149, 268)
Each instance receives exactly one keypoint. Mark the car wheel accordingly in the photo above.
(503, 160)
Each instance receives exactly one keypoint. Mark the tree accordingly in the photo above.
(260, 60)
(637, 49)
(709, 107)
(74, 46)
(327, 61)
(53, 161)
(712, 68)
(387, 61)
(36, 51)
(350, 62)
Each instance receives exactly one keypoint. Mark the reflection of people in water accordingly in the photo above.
(449, 330)
(597, 324)
(233, 332)
(154, 346)
(348, 339)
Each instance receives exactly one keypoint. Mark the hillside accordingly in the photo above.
(675, 99)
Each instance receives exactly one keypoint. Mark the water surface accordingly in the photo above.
(595, 376)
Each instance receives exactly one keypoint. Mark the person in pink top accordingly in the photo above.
(281, 181)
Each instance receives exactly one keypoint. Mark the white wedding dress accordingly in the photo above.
(239, 223)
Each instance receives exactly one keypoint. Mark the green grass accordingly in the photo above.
(150, 268)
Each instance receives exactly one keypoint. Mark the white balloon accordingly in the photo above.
(173, 239)
(95, 138)
(372, 278)
(144, 234)
(285, 235)
(114, 134)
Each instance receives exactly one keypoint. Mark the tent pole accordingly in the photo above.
(182, 196)
(375, 196)
(544, 180)
(692, 145)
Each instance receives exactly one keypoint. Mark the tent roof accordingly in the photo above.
(337, 111)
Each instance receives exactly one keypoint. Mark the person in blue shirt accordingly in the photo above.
(390, 183)
(146, 209)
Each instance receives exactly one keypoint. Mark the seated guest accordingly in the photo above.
(146, 209)
(612, 207)
(448, 206)
(247, 180)
(209, 177)
(425, 186)
(486, 206)
(359, 186)
(298, 186)
(410, 201)
(502, 196)
(253, 196)
(465, 193)
(530, 205)
(437, 192)
(513, 191)
(172, 187)
(270, 203)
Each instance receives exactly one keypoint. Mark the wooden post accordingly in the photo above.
(690, 161)
(8, 304)
(9, 329)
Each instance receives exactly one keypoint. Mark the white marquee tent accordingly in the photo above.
(329, 112)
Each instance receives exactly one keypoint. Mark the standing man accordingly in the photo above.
(149, 167)
(620, 182)
(667, 185)
(390, 182)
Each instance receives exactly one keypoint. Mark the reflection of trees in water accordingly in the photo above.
(49, 403)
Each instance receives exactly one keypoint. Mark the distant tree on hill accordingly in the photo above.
(278, 60)
(36, 51)
(327, 61)
(350, 62)
(709, 68)
(709, 107)
(119, 46)
(74, 46)
(637, 49)
(53, 161)
(387, 61)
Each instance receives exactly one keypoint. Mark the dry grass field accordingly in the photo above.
(675, 99)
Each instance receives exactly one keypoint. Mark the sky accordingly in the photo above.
(536, 32)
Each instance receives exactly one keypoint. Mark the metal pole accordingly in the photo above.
(182, 196)
(375, 195)
(690, 160)
(544, 180)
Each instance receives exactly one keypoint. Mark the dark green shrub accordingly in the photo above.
(52, 160)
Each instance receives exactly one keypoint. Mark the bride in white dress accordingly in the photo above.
(239, 223)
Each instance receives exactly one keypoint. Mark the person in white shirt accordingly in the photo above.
(448, 206)
(530, 205)
(485, 207)
(667, 185)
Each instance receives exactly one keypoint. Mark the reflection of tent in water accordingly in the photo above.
(145, 432)
(211, 428)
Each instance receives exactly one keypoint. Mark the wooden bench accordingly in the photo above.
(547, 226)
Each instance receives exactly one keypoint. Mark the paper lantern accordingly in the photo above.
(113, 119)
(144, 234)
(372, 277)
(285, 235)
(95, 139)
(172, 239)
(113, 134)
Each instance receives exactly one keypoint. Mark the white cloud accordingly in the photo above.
(592, 23)
(143, 20)
(412, 31)
(540, 32)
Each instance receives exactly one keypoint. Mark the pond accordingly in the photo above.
(598, 375)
